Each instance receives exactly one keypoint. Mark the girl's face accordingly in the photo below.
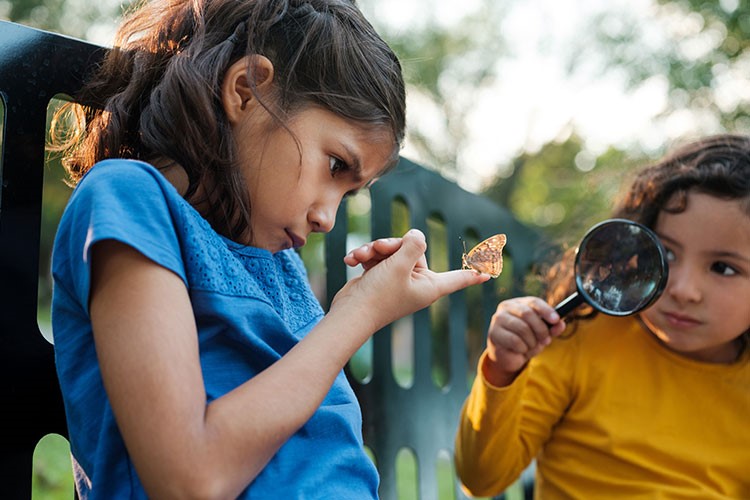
(295, 188)
(704, 309)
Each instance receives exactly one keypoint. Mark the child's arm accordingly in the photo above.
(490, 449)
(146, 341)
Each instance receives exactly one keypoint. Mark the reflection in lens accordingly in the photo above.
(620, 267)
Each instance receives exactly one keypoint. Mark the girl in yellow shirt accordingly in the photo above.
(648, 406)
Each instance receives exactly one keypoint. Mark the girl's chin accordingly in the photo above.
(665, 338)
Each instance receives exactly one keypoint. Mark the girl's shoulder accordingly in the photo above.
(128, 178)
(132, 193)
(124, 200)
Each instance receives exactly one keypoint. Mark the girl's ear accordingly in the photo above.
(244, 81)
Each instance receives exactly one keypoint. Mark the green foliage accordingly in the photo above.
(562, 190)
(38, 13)
(55, 194)
(444, 68)
(705, 47)
(433, 54)
(53, 473)
(732, 16)
(70, 17)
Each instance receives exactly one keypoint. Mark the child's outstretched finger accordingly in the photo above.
(452, 281)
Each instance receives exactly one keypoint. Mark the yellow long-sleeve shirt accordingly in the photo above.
(611, 413)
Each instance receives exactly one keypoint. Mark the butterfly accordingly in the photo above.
(486, 257)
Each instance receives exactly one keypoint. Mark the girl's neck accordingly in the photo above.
(742, 342)
(174, 173)
(177, 176)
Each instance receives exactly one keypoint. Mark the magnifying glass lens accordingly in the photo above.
(620, 267)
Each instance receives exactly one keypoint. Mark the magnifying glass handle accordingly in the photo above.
(572, 301)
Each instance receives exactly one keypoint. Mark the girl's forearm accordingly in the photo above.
(276, 403)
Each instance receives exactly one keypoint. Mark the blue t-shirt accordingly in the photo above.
(250, 307)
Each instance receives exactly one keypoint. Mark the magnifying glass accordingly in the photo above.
(620, 268)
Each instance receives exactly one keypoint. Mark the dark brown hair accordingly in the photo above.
(717, 165)
(156, 94)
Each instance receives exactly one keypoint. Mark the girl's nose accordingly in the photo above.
(683, 284)
(322, 218)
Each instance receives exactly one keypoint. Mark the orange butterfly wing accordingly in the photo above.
(487, 256)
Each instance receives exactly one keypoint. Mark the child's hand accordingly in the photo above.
(520, 329)
(396, 281)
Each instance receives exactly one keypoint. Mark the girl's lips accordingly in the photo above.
(682, 320)
(297, 242)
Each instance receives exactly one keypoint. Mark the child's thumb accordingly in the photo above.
(413, 244)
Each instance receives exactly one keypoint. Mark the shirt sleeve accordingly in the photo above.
(120, 200)
(502, 429)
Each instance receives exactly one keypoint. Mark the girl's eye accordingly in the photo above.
(670, 255)
(337, 166)
(723, 269)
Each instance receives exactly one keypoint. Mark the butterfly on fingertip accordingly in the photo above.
(486, 257)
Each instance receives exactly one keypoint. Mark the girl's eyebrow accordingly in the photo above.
(355, 164)
(716, 254)
(668, 240)
(732, 255)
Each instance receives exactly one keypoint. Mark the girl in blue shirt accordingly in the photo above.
(193, 358)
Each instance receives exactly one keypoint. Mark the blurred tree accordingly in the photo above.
(562, 189)
(699, 48)
(77, 18)
(445, 66)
